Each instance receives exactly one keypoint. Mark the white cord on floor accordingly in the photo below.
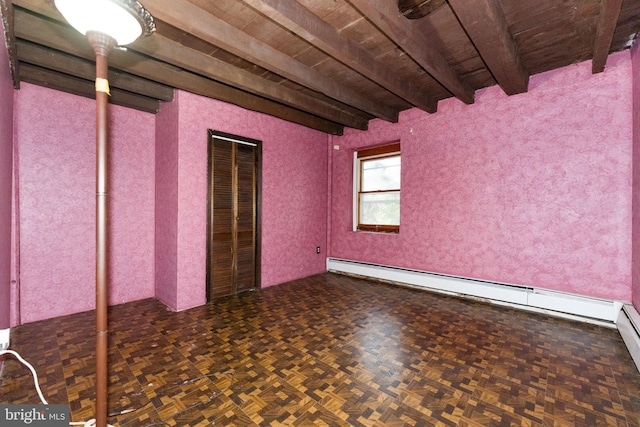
(33, 371)
(90, 423)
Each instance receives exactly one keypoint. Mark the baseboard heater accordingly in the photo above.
(571, 306)
(628, 324)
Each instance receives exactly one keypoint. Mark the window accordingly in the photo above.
(377, 189)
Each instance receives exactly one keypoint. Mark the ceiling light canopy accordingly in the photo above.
(123, 20)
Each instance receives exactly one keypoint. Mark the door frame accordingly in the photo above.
(211, 135)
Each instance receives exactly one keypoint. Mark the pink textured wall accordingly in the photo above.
(531, 189)
(56, 144)
(6, 173)
(166, 227)
(294, 193)
(635, 59)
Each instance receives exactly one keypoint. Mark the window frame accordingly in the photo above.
(360, 157)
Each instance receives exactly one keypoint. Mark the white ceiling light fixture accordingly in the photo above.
(123, 20)
(106, 24)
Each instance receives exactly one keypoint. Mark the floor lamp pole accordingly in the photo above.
(106, 24)
(102, 45)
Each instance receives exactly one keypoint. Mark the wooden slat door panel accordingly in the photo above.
(245, 215)
(233, 237)
(221, 244)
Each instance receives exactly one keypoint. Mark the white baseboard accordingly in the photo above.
(4, 338)
(560, 304)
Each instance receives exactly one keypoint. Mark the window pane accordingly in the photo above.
(381, 174)
(380, 208)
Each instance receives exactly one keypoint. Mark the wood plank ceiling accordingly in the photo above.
(325, 64)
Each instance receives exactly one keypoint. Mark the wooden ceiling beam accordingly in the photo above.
(60, 37)
(57, 61)
(294, 16)
(173, 52)
(405, 33)
(607, 21)
(6, 10)
(192, 19)
(194, 83)
(86, 88)
(416, 9)
(486, 26)
(170, 51)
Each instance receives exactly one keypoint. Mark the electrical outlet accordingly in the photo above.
(317, 249)
(4, 339)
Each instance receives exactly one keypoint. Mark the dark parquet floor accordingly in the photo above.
(332, 350)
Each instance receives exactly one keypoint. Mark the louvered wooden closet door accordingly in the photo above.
(233, 195)
(245, 217)
(221, 244)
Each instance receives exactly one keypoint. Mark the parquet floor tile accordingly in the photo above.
(333, 351)
(317, 415)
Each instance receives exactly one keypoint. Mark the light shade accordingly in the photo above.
(124, 20)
